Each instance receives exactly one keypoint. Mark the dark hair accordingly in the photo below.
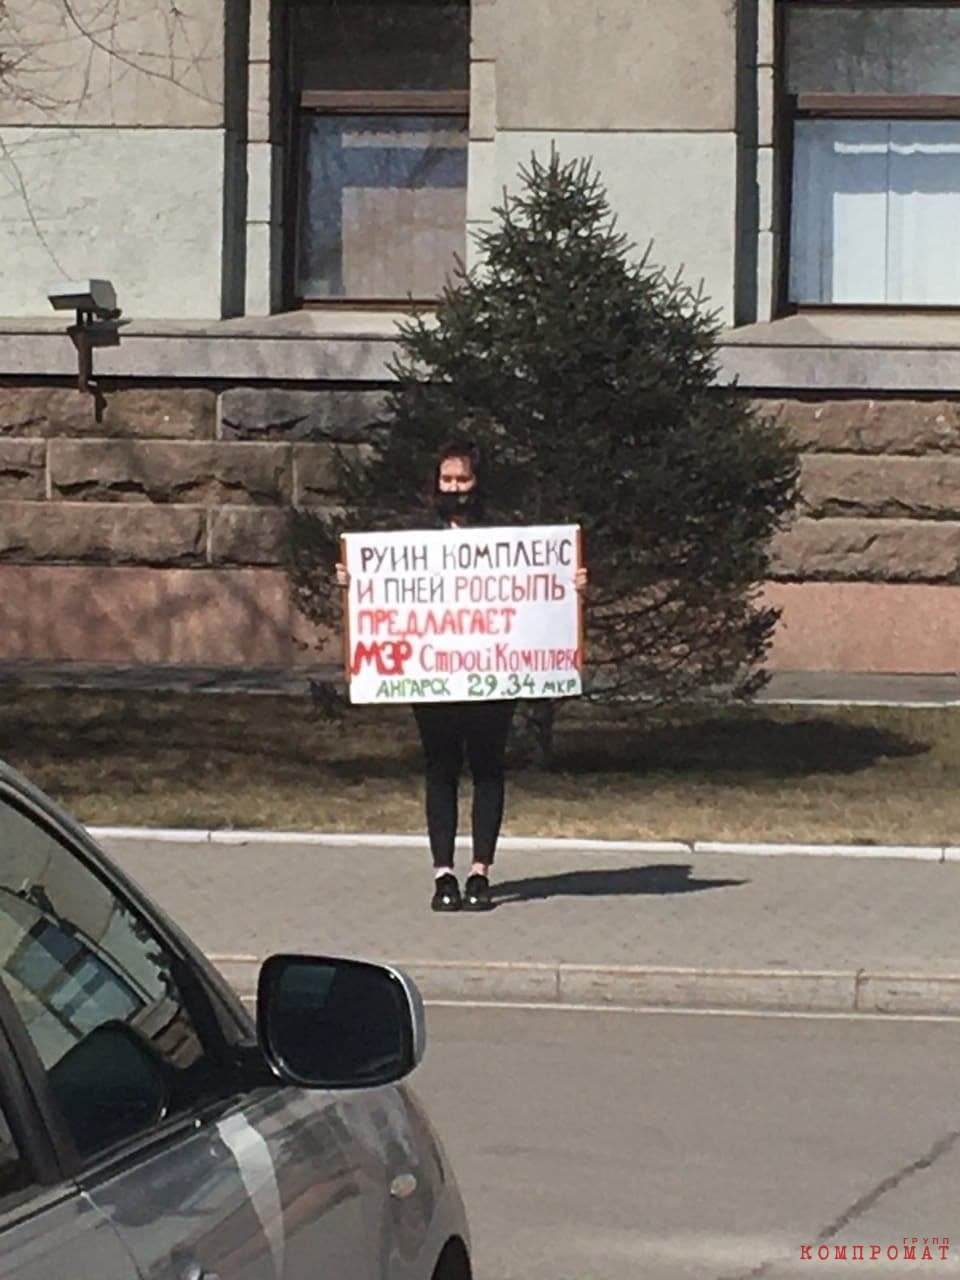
(458, 449)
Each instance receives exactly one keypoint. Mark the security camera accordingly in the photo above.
(87, 298)
(94, 303)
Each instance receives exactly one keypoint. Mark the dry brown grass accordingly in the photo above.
(882, 775)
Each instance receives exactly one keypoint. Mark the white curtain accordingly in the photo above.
(876, 212)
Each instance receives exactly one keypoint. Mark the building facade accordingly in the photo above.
(265, 182)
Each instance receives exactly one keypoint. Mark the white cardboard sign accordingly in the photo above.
(463, 615)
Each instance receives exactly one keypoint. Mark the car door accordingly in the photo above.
(169, 1120)
(127, 1058)
(47, 1226)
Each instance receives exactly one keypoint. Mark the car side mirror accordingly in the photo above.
(338, 1024)
(110, 1086)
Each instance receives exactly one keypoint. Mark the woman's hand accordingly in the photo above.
(581, 579)
(342, 577)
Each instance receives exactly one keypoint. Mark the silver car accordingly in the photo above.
(150, 1131)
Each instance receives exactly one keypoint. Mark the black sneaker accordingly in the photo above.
(476, 894)
(446, 894)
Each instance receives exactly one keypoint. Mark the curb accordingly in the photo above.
(743, 990)
(531, 844)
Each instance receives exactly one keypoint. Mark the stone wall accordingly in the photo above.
(204, 477)
(155, 530)
(167, 477)
(881, 491)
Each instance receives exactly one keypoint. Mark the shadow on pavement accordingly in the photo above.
(598, 883)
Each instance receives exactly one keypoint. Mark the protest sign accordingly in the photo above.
(460, 615)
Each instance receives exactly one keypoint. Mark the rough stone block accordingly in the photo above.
(23, 469)
(173, 413)
(874, 627)
(248, 536)
(870, 426)
(80, 533)
(317, 470)
(899, 488)
(154, 471)
(252, 413)
(198, 617)
(869, 551)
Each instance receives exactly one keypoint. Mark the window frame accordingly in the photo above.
(222, 1026)
(788, 108)
(29, 1126)
(301, 103)
(336, 102)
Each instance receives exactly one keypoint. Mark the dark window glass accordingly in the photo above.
(383, 210)
(852, 49)
(96, 990)
(395, 44)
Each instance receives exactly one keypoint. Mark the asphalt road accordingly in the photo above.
(649, 1146)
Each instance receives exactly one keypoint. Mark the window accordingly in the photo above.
(874, 92)
(96, 991)
(382, 106)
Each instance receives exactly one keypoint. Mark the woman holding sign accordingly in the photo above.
(451, 730)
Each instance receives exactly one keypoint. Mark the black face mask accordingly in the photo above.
(452, 505)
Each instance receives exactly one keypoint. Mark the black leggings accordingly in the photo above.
(446, 728)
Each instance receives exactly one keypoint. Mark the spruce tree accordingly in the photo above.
(589, 380)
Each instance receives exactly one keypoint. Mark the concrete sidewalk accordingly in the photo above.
(584, 926)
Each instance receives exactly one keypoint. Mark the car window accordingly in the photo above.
(97, 993)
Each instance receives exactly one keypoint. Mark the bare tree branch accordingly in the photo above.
(67, 62)
(21, 188)
(44, 41)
